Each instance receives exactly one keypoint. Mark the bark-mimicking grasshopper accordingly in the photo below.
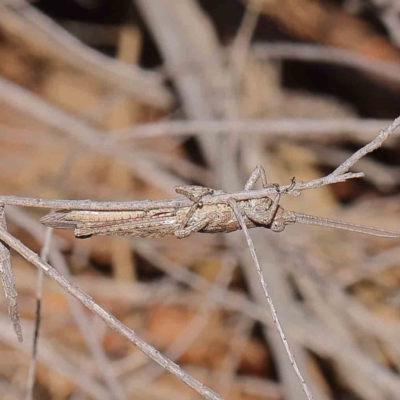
(205, 218)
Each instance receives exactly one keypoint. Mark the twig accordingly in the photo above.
(196, 325)
(315, 290)
(91, 338)
(39, 293)
(57, 259)
(193, 58)
(238, 302)
(275, 318)
(368, 148)
(231, 362)
(287, 127)
(326, 54)
(30, 137)
(54, 360)
(109, 319)
(383, 176)
(305, 330)
(144, 85)
(372, 266)
(97, 140)
(8, 280)
(229, 143)
(151, 204)
(391, 21)
(241, 44)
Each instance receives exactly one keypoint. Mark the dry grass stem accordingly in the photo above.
(302, 128)
(198, 97)
(264, 285)
(331, 55)
(44, 255)
(8, 280)
(110, 320)
(146, 86)
(170, 203)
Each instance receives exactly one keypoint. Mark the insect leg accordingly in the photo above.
(258, 172)
(195, 194)
(181, 233)
(265, 217)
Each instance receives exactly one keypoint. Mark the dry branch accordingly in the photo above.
(97, 140)
(109, 319)
(360, 129)
(323, 22)
(38, 318)
(170, 203)
(304, 329)
(329, 55)
(40, 31)
(8, 280)
(274, 313)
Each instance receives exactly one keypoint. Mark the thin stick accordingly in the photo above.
(68, 124)
(8, 280)
(144, 85)
(109, 319)
(241, 44)
(92, 341)
(169, 203)
(275, 318)
(328, 54)
(194, 328)
(39, 293)
(57, 259)
(287, 127)
(304, 328)
(77, 374)
(368, 148)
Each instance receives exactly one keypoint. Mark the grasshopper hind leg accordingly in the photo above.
(266, 216)
(262, 217)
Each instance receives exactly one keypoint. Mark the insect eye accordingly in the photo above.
(277, 226)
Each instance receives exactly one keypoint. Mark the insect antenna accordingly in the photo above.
(332, 223)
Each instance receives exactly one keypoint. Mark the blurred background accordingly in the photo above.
(123, 100)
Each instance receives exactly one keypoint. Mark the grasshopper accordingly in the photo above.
(205, 218)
